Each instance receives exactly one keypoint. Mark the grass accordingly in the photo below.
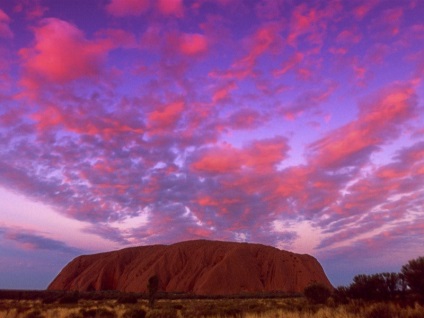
(206, 308)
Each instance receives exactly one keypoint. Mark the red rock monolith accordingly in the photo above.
(200, 267)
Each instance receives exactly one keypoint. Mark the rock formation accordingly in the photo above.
(200, 267)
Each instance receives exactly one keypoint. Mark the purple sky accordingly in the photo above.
(297, 124)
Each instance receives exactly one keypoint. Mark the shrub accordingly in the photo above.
(162, 313)
(413, 273)
(97, 313)
(70, 298)
(127, 299)
(340, 295)
(380, 286)
(34, 314)
(134, 313)
(317, 293)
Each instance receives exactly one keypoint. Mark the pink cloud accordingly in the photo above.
(379, 120)
(291, 63)
(348, 36)
(260, 155)
(307, 102)
(269, 9)
(311, 23)
(122, 8)
(193, 44)
(31, 8)
(266, 153)
(53, 56)
(363, 9)
(246, 118)
(5, 30)
(165, 118)
(391, 20)
(222, 93)
(219, 160)
(265, 40)
(302, 20)
(171, 7)
(118, 37)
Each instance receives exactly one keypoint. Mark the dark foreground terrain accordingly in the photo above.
(109, 304)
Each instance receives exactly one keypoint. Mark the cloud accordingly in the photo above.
(308, 101)
(291, 63)
(310, 23)
(35, 241)
(122, 8)
(193, 44)
(178, 120)
(32, 9)
(166, 118)
(5, 31)
(125, 8)
(52, 58)
(171, 7)
(222, 92)
(266, 39)
(246, 118)
(380, 120)
(259, 155)
(361, 10)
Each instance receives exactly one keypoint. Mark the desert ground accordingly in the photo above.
(297, 307)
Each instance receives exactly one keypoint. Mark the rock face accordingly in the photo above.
(199, 267)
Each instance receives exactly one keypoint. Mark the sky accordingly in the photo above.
(295, 124)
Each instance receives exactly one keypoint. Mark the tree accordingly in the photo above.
(375, 287)
(152, 287)
(317, 293)
(413, 273)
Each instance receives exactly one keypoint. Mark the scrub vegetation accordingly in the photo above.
(298, 307)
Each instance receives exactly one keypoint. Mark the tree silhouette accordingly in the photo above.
(413, 273)
(317, 293)
(152, 287)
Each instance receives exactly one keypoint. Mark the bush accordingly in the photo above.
(134, 313)
(413, 273)
(317, 293)
(127, 299)
(70, 298)
(162, 313)
(97, 313)
(34, 314)
(382, 286)
(341, 295)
